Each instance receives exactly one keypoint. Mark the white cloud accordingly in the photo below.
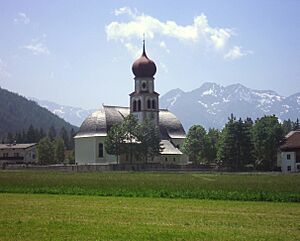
(198, 31)
(4, 74)
(236, 52)
(37, 46)
(22, 18)
(125, 10)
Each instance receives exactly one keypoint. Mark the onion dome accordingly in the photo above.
(143, 66)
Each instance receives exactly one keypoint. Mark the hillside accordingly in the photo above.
(17, 113)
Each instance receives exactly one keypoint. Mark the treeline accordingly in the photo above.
(240, 145)
(34, 135)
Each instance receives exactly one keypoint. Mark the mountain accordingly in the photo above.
(74, 115)
(17, 113)
(211, 104)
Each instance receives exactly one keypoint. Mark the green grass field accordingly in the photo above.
(68, 217)
(217, 186)
(148, 206)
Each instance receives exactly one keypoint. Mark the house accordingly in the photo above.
(143, 104)
(289, 156)
(18, 153)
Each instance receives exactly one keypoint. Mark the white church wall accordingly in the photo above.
(85, 150)
(106, 159)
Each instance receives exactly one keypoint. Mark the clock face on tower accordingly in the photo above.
(144, 85)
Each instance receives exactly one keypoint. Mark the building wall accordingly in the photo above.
(87, 151)
(27, 155)
(288, 162)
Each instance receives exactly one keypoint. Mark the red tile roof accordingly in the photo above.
(292, 141)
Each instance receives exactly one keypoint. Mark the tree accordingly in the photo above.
(31, 135)
(149, 137)
(114, 140)
(235, 149)
(59, 150)
(210, 145)
(52, 133)
(65, 136)
(267, 134)
(287, 126)
(72, 134)
(141, 141)
(45, 151)
(193, 145)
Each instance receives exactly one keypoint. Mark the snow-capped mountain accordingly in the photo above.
(73, 115)
(211, 104)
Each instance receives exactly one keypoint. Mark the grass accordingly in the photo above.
(215, 186)
(67, 217)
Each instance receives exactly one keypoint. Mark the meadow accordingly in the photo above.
(69, 217)
(40, 205)
(215, 186)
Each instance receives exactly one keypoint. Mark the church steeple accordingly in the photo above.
(144, 100)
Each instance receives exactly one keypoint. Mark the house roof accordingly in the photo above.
(99, 123)
(169, 149)
(16, 146)
(291, 141)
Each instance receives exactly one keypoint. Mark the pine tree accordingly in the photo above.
(65, 136)
(72, 143)
(52, 133)
(267, 134)
(31, 134)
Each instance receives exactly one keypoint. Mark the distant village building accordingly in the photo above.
(289, 156)
(144, 104)
(18, 153)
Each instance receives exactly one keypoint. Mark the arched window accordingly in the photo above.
(149, 104)
(139, 105)
(100, 154)
(134, 105)
(153, 104)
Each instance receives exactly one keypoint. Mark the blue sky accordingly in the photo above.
(80, 53)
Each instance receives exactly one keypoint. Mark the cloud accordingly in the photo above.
(4, 74)
(22, 18)
(236, 53)
(199, 31)
(125, 10)
(134, 50)
(163, 45)
(37, 46)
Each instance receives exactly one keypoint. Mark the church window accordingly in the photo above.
(139, 105)
(153, 104)
(288, 157)
(100, 150)
(149, 104)
(166, 159)
(134, 105)
(144, 86)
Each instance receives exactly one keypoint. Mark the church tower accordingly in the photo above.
(144, 100)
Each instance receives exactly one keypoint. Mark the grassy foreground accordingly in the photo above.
(67, 217)
(218, 186)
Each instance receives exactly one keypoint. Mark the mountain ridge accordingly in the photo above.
(209, 105)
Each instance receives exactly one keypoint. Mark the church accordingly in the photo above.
(144, 104)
